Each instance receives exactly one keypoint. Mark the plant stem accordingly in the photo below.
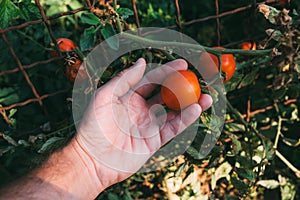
(212, 50)
(278, 132)
(119, 26)
(290, 165)
(33, 40)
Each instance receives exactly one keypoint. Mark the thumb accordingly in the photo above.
(128, 78)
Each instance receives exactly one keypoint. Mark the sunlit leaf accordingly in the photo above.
(269, 184)
(221, 172)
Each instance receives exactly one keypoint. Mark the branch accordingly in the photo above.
(193, 46)
(290, 165)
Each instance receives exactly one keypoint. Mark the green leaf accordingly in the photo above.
(8, 11)
(239, 185)
(287, 188)
(233, 83)
(75, 4)
(127, 195)
(270, 151)
(246, 174)
(29, 11)
(269, 12)
(12, 112)
(107, 32)
(249, 78)
(274, 34)
(8, 95)
(243, 161)
(50, 144)
(124, 11)
(88, 39)
(236, 144)
(194, 153)
(213, 122)
(9, 139)
(235, 127)
(89, 18)
(112, 196)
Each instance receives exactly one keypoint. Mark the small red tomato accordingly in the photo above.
(228, 64)
(180, 89)
(66, 44)
(248, 46)
(209, 63)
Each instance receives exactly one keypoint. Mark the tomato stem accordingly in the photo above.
(155, 44)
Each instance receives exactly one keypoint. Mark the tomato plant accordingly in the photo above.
(180, 89)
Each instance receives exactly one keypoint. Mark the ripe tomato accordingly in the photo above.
(66, 44)
(228, 65)
(180, 89)
(248, 46)
(73, 70)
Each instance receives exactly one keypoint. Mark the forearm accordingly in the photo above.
(67, 174)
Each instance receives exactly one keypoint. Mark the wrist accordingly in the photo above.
(71, 172)
(106, 175)
(87, 169)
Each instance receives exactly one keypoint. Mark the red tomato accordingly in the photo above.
(209, 63)
(66, 44)
(248, 46)
(180, 89)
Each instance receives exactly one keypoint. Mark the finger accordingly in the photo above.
(158, 75)
(161, 120)
(180, 122)
(127, 79)
(205, 101)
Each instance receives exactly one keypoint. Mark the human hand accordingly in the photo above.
(120, 130)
